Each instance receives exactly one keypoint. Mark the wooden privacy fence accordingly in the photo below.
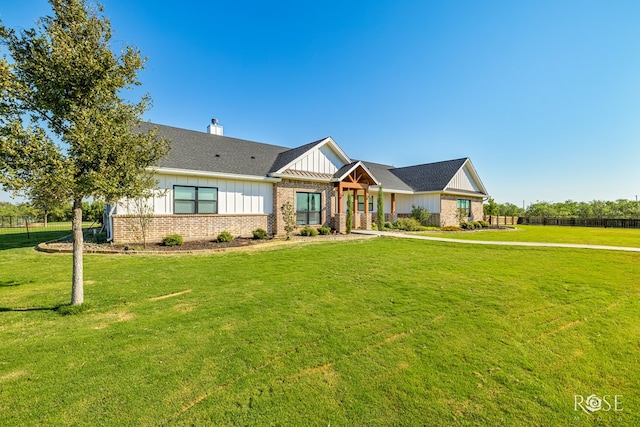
(501, 220)
(582, 222)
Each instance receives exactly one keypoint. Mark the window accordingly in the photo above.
(361, 203)
(195, 200)
(308, 208)
(464, 208)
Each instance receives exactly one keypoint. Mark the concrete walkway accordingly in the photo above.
(489, 242)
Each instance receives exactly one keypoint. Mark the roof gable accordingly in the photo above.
(466, 179)
(319, 157)
(362, 173)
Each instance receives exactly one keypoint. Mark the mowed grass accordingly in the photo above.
(367, 332)
(629, 237)
(14, 237)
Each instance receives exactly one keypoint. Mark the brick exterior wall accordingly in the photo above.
(339, 223)
(126, 228)
(285, 191)
(449, 210)
(477, 211)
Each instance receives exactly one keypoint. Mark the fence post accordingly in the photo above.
(26, 224)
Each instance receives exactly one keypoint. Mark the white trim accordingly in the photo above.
(423, 193)
(387, 190)
(281, 176)
(190, 172)
(463, 194)
(358, 163)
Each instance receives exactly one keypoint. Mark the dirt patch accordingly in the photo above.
(175, 294)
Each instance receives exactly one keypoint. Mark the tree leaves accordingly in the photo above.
(65, 78)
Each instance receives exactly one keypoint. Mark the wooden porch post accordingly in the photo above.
(355, 202)
(393, 203)
(366, 200)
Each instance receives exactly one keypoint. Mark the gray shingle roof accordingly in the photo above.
(429, 176)
(204, 152)
(200, 151)
(384, 174)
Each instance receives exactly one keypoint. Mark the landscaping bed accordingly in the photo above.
(65, 246)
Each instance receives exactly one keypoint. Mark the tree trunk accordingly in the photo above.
(77, 291)
(46, 214)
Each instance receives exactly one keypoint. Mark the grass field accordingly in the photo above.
(12, 237)
(552, 234)
(366, 332)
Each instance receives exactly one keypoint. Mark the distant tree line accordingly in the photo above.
(91, 211)
(620, 209)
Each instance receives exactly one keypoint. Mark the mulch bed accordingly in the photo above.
(187, 246)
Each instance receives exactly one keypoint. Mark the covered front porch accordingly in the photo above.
(356, 180)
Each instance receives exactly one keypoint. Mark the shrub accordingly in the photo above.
(420, 214)
(380, 210)
(308, 231)
(387, 224)
(224, 237)
(260, 234)
(325, 231)
(173, 240)
(467, 225)
(483, 224)
(407, 224)
(349, 213)
(450, 228)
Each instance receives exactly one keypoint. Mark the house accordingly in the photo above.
(209, 183)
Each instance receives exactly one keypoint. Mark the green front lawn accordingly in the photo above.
(368, 332)
(551, 234)
(17, 237)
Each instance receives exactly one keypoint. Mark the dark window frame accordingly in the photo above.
(361, 203)
(196, 201)
(465, 211)
(303, 217)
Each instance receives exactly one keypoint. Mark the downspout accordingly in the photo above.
(109, 222)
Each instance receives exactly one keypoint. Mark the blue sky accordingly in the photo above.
(543, 96)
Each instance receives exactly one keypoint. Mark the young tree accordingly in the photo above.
(288, 216)
(380, 210)
(64, 83)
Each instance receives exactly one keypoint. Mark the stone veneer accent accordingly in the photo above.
(285, 191)
(365, 221)
(449, 209)
(190, 227)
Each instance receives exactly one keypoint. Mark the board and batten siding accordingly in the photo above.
(463, 180)
(404, 202)
(321, 160)
(234, 196)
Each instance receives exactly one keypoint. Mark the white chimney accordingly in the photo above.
(214, 128)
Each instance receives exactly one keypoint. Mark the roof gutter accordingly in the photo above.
(221, 175)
